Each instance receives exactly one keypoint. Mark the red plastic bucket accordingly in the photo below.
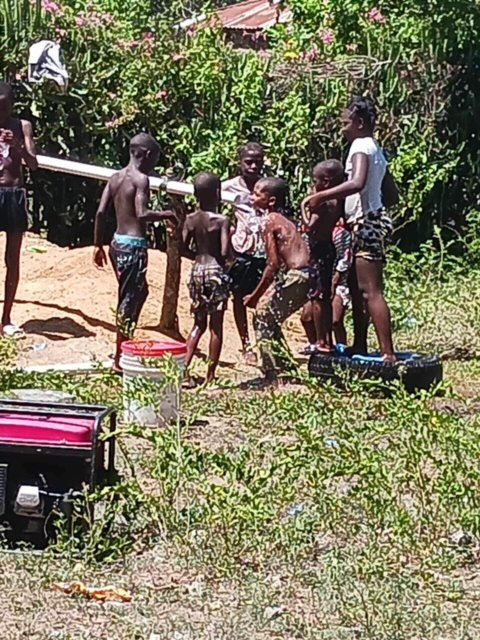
(154, 348)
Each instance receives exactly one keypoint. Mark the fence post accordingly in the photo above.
(169, 316)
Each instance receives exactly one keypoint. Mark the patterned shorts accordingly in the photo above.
(209, 288)
(129, 257)
(371, 234)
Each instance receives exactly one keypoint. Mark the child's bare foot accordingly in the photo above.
(389, 357)
(211, 384)
(116, 368)
(189, 382)
(324, 349)
(250, 357)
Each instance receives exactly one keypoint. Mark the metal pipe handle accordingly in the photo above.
(96, 172)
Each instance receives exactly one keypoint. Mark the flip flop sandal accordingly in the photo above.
(12, 331)
(308, 350)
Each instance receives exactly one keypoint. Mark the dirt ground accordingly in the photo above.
(66, 308)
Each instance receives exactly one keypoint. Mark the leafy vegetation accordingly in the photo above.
(132, 68)
(307, 512)
(302, 513)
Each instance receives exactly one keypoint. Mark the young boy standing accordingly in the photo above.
(209, 283)
(248, 239)
(129, 192)
(286, 248)
(319, 224)
(16, 145)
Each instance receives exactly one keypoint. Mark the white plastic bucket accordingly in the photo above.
(152, 380)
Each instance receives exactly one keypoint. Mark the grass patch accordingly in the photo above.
(303, 513)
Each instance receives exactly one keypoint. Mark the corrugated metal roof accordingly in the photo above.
(252, 15)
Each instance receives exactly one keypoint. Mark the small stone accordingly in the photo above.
(462, 538)
(271, 613)
(196, 589)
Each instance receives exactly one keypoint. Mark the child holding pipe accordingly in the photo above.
(129, 191)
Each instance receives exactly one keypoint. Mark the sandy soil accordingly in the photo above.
(66, 307)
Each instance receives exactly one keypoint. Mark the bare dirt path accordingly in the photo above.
(66, 307)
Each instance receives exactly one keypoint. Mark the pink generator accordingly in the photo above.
(50, 454)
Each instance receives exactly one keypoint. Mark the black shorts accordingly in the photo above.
(13, 210)
(323, 261)
(130, 262)
(245, 273)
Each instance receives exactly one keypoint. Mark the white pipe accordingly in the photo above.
(96, 172)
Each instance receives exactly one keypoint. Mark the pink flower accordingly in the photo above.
(107, 17)
(311, 54)
(191, 31)
(61, 32)
(112, 95)
(375, 15)
(351, 48)
(327, 36)
(80, 21)
(162, 95)
(111, 124)
(149, 37)
(178, 56)
(50, 7)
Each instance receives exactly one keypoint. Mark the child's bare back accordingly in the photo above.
(128, 189)
(323, 220)
(210, 233)
(284, 239)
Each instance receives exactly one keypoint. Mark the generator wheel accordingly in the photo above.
(416, 371)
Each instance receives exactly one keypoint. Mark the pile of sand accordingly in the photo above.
(66, 307)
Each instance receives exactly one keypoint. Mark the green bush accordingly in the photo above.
(132, 69)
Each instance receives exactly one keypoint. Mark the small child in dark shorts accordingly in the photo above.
(128, 191)
(209, 284)
(319, 224)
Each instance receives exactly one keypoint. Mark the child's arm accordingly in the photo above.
(225, 240)
(99, 256)
(271, 270)
(26, 149)
(345, 189)
(142, 211)
(186, 240)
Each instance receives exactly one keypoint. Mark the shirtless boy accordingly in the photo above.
(286, 248)
(16, 145)
(129, 191)
(209, 285)
(319, 224)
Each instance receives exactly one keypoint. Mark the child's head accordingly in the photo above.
(145, 149)
(6, 102)
(270, 194)
(251, 161)
(207, 189)
(358, 119)
(328, 174)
